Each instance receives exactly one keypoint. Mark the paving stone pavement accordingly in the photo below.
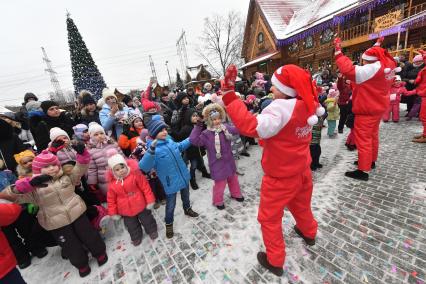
(369, 232)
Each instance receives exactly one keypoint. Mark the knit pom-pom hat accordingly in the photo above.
(43, 160)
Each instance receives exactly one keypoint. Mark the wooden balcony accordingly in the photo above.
(362, 30)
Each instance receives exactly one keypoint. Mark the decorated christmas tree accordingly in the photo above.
(85, 73)
(179, 82)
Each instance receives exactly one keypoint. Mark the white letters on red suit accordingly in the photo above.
(274, 117)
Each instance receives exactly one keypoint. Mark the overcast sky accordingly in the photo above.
(120, 35)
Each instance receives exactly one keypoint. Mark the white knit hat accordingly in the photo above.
(95, 127)
(106, 93)
(55, 132)
(115, 159)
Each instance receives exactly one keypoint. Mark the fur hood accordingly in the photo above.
(211, 107)
(132, 165)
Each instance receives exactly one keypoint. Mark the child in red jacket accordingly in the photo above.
(130, 196)
(8, 271)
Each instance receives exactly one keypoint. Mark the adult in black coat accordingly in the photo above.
(409, 75)
(40, 125)
(10, 144)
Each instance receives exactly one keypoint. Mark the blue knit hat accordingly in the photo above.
(155, 126)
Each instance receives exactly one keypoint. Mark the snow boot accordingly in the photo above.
(239, 199)
(153, 235)
(191, 213)
(205, 173)
(194, 184)
(157, 205)
(245, 154)
(419, 140)
(261, 257)
(373, 164)
(137, 242)
(40, 253)
(84, 271)
(220, 207)
(357, 174)
(169, 231)
(102, 259)
(308, 241)
(25, 263)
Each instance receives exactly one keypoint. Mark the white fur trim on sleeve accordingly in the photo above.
(366, 72)
(274, 117)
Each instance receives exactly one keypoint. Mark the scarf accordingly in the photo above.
(217, 132)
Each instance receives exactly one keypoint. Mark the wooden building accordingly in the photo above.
(307, 37)
(197, 76)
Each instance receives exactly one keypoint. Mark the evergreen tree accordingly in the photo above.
(85, 73)
(179, 82)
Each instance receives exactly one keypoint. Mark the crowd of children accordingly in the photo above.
(133, 159)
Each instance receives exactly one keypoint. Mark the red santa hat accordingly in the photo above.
(296, 82)
(377, 53)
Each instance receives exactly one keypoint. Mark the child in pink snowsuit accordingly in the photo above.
(397, 89)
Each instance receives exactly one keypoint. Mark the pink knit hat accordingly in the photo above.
(44, 160)
(418, 58)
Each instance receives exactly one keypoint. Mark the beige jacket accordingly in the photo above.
(58, 204)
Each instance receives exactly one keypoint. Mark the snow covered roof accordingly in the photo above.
(259, 59)
(319, 11)
(279, 12)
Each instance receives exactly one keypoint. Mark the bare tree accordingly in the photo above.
(221, 41)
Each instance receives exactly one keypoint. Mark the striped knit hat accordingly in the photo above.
(155, 126)
(44, 160)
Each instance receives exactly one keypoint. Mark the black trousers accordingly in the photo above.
(157, 189)
(26, 236)
(315, 153)
(134, 224)
(77, 236)
(344, 111)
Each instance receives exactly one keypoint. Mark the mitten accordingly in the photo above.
(337, 44)
(32, 209)
(229, 80)
(56, 145)
(79, 147)
(40, 181)
(116, 217)
(152, 147)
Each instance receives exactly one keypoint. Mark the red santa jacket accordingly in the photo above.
(282, 126)
(421, 83)
(130, 196)
(370, 95)
(8, 214)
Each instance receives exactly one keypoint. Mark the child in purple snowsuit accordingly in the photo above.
(217, 141)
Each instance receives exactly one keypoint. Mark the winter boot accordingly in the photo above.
(191, 213)
(239, 199)
(313, 167)
(194, 184)
(245, 154)
(84, 271)
(419, 140)
(357, 174)
(169, 231)
(220, 207)
(40, 253)
(261, 257)
(24, 263)
(137, 242)
(205, 174)
(373, 164)
(308, 241)
(102, 259)
(153, 235)
(157, 205)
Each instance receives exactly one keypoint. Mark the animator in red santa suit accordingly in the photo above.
(421, 91)
(284, 128)
(370, 99)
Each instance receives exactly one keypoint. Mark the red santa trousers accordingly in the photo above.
(422, 115)
(276, 194)
(367, 140)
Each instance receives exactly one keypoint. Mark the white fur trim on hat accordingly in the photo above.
(283, 88)
(369, 57)
(55, 132)
(95, 127)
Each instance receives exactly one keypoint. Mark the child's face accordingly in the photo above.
(64, 139)
(194, 118)
(27, 162)
(185, 101)
(86, 135)
(99, 136)
(51, 170)
(216, 121)
(120, 170)
(162, 135)
(138, 124)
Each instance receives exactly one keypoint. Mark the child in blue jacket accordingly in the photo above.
(164, 155)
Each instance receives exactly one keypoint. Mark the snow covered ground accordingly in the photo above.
(220, 246)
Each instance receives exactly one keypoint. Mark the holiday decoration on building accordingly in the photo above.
(85, 73)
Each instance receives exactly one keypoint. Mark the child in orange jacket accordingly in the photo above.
(129, 195)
